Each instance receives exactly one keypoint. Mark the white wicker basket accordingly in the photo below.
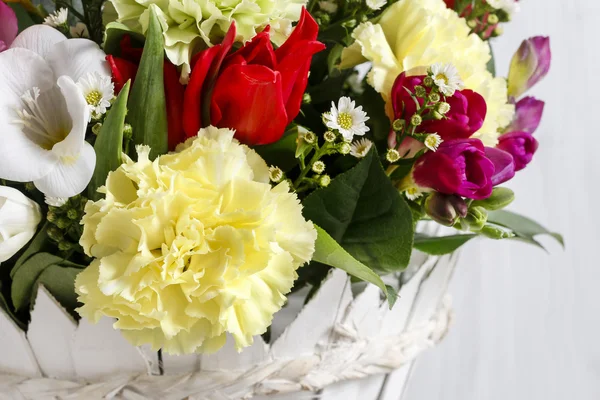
(338, 346)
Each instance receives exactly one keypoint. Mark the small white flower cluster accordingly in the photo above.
(98, 92)
(346, 118)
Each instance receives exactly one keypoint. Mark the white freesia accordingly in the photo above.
(43, 112)
(19, 218)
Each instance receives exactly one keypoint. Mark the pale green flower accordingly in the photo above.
(192, 25)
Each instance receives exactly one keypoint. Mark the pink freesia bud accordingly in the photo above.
(529, 65)
(504, 165)
(8, 26)
(521, 145)
(528, 115)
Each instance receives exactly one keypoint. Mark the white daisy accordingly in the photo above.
(376, 4)
(348, 119)
(56, 201)
(98, 91)
(446, 78)
(433, 141)
(57, 18)
(361, 148)
(413, 193)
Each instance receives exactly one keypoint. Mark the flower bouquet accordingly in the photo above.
(186, 169)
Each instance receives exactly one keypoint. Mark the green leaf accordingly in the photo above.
(366, 215)
(374, 106)
(281, 153)
(501, 197)
(26, 276)
(491, 65)
(329, 252)
(24, 20)
(35, 246)
(60, 282)
(109, 144)
(438, 246)
(525, 228)
(114, 34)
(147, 103)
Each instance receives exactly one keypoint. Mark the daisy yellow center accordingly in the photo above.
(93, 97)
(413, 191)
(431, 141)
(344, 120)
(442, 77)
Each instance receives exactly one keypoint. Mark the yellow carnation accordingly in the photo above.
(418, 33)
(192, 246)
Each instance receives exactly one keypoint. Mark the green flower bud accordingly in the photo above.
(127, 132)
(500, 198)
(428, 81)
(330, 136)
(96, 128)
(325, 180)
(29, 186)
(73, 214)
(345, 148)
(276, 174)
(434, 97)
(416, 120)
(398, 125)
(420, 91)
(497, 232)
(443, 108)
(310, 137)
(65, 246)
(55, 234)
(318, 167)
(493, 19)
(51, 216)
(476, 219)
(445, 209)
(63, 223)
(307, 99)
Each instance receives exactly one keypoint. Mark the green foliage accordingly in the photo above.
(283, 152)
(109, 144)
(329, 252)
(50, 270)
(373, 104)
(365, 214)
(441, 245)
(24, 20)
(147, 103)
(525, 229)
(500, 198)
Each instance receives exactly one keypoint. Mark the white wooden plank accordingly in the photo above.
(100, 351)
(364, 314)
(17, 357)
(50, 334)
(395, 320)
(317, 318)
(433, 289)
(395, 383)
(359, 389)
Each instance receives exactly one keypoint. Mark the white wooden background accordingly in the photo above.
(527, 324)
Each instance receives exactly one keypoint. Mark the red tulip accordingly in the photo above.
(256, 90)
(125, 68)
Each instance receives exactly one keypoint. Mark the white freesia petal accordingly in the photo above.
(21, 159)
(19, 218)
(70, 176)
(76, 58)
(79, 113)
(39, 39)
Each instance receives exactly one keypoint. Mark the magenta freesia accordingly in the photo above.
(463, 167)
(529, 65)
(8, 26)
(521, 145)
(528, 115)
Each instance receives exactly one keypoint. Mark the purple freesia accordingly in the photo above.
(529, 65)
(528, 115)
(521, 145)
(504, 165)
(8, 26)
(460, 167)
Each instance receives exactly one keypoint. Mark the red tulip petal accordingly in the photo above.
(258, 51)
(174, 92)
(249, 100)
(122, 71)
(306, 30)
